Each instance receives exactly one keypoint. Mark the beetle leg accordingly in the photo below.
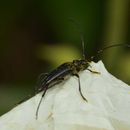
(80, 91)
(40, 102)
(46, 88)
(95, 72)
(42, 75)
(40, 80)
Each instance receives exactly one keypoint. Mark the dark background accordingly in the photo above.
(37, 36)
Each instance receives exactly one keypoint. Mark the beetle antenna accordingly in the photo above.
(78, 27)
(83, 46)
(108, 47)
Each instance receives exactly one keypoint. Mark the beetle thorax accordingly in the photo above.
(80, 65)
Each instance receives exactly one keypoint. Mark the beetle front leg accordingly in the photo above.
(95, 72)
(80, 91)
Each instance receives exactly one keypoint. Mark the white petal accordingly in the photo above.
(63, 108)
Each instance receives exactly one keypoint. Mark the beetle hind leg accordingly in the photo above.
(40, 81)
(37, 110)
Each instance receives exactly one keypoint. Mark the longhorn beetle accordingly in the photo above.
(56, 76)
(48, 80)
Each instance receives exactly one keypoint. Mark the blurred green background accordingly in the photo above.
(37, 36)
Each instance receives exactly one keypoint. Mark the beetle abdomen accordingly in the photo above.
(53, 77)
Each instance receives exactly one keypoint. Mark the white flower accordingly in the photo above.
(63, 108)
